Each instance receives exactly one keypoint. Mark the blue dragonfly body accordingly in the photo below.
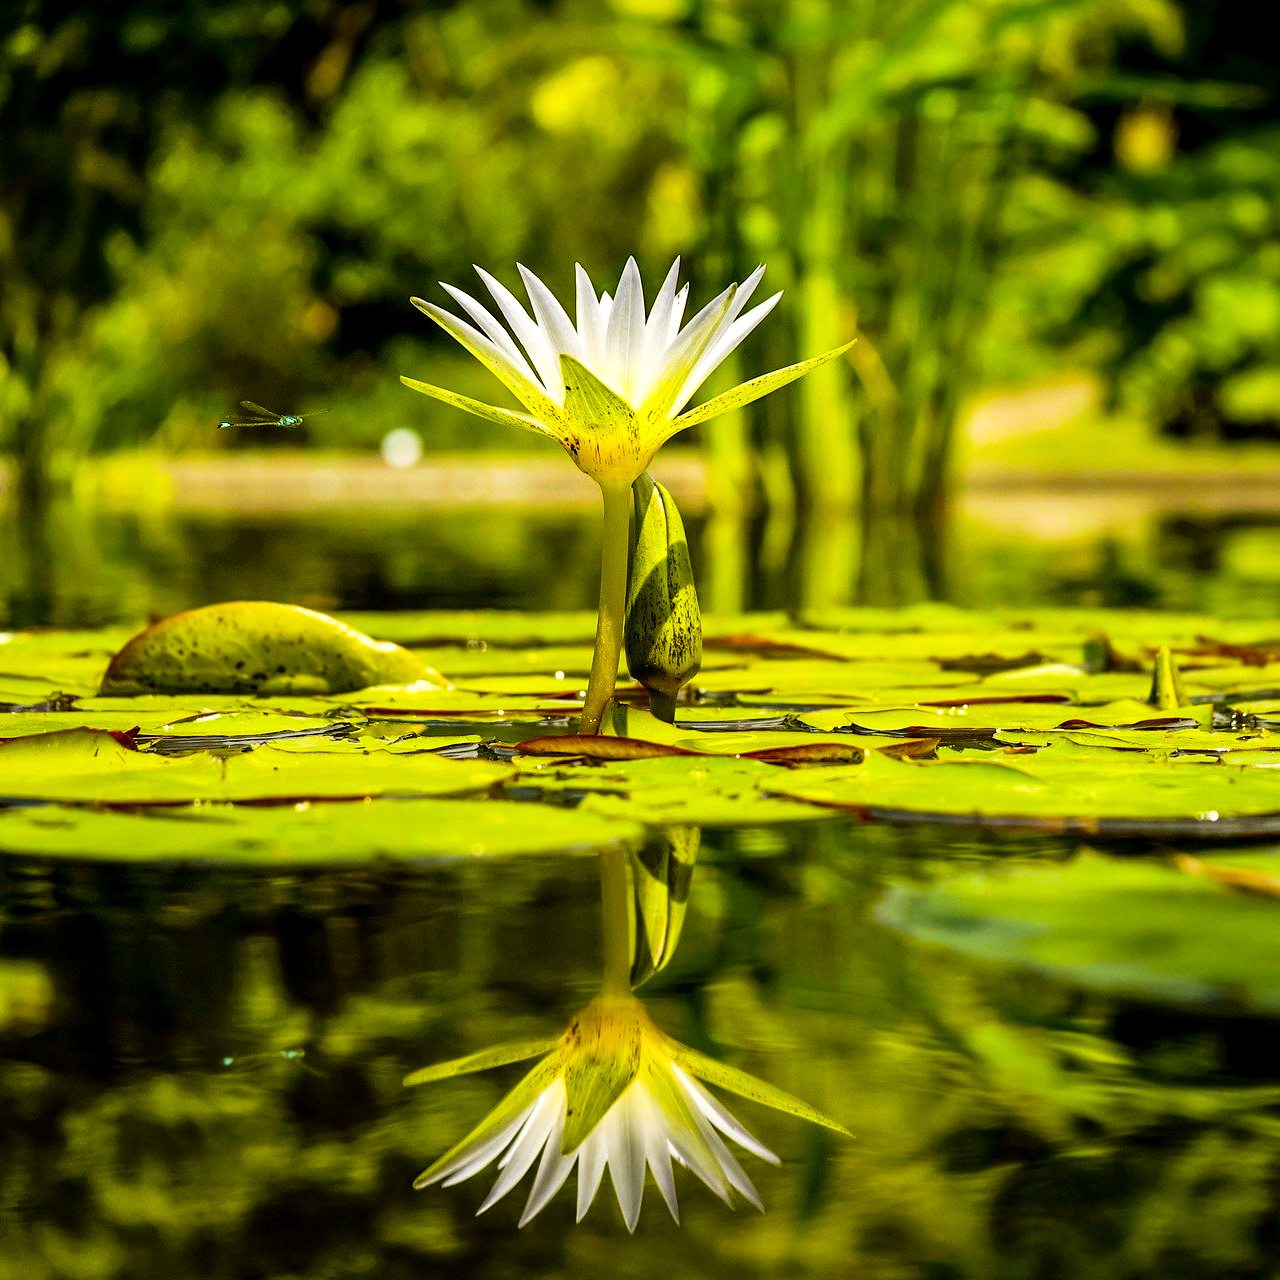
(256, 416)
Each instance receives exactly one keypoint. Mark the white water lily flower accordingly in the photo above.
(610, 387)
(613, 1090)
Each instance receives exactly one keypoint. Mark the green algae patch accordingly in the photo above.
(323, 834)
(257, 647)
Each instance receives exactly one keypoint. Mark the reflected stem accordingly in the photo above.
(615, 922)
(613, 604)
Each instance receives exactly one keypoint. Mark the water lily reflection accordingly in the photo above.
(612, 1090)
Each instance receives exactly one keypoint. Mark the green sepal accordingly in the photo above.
(748, 1086)
(674, 1103)
(588, 402)
(738, 396)
(520, 1051)
(508, 417)
(598, 1069)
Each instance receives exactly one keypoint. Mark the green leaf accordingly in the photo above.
(82, 765)
(1167, 693)
(256, 646)
(282, 837)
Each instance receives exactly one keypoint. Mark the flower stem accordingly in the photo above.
(615, 922)
(613, 604)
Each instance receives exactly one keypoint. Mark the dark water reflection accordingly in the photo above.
(212, 1088)
(76, 566)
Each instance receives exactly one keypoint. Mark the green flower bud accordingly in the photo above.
(663, 630)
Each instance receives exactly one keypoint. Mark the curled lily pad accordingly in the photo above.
(254, 646)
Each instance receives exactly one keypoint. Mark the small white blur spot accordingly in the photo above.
(401, 448)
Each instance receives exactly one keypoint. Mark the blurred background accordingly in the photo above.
(1051, 223)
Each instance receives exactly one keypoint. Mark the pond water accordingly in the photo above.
(201, 1069)
(216, 1090)
(1181, 547)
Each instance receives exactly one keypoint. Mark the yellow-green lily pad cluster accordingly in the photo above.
(1051, 721)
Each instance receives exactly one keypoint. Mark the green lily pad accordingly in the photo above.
(253, 646)
(316, 834)
(702, 790)
(99, 768)
(1135, 929)
(1136, 793)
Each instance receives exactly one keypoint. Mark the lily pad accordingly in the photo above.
(253, 646)
(313, 835)
(1192, 797)
(102, 768)
(1136, 929)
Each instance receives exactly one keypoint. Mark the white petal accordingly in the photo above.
(606, 307)
(552, 319)
(711, 1107)
(471, 1162)
(533, 1137)
(592, 1157)
(540, 351)
(726, 341)
(590, 326)
(492, 329)
(677, 314)
(531, 394)
(732, 1169)
(687, 1152)
(625, 1145)
(624, 337)
(657, 1148)
(552, 1171)
(680, 357)
(657, 329)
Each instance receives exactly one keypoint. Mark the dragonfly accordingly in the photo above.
(294, 1056)
(256, 416)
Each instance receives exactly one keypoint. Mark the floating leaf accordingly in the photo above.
(93, 767)
(315, 834)
(1136, 929)
(252, 646)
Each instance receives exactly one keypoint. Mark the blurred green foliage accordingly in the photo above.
(201, 204)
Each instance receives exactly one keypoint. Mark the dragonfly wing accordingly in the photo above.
(257, 408)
